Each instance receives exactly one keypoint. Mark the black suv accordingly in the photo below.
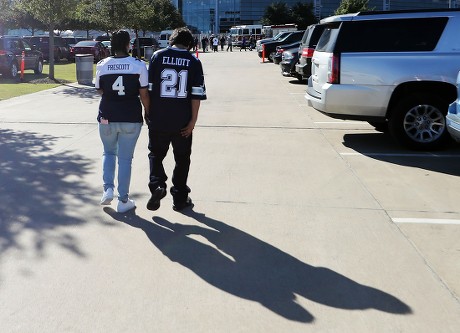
(270, 47)
(306, 49)
(61, 50)
(11, 49)
(143, 41)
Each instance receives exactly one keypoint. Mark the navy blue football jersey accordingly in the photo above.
(175, 78)
(120, 79)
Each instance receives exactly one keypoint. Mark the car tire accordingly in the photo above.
(271, 56)
(39, 67)
(418, 122)
(13, 71)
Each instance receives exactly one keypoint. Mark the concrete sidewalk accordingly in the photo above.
(284, 237)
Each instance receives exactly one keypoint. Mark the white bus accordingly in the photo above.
(272, 30)
(163, 40)
(240, 31)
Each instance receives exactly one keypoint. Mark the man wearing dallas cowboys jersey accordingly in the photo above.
(120, 80)
(176, 87)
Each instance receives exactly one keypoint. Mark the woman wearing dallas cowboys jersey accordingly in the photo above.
(120, 80)
(176, 87)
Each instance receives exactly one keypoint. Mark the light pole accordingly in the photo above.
(216, 18)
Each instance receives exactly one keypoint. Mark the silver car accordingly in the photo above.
(388, 69)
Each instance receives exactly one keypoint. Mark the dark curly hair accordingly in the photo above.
(182, 36)
(120, 39)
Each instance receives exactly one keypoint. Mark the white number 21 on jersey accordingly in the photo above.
(118, 85)
(171, 79)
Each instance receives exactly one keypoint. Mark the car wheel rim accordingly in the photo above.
(14, 70)
(424, 123)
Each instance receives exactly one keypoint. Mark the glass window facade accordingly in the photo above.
(216, 16)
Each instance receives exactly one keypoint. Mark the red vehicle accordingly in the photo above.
(97, 49)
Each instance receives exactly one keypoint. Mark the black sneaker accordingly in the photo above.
(178, 206)
(154, 201)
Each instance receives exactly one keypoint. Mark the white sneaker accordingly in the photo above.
(123, 207)
(107, 197)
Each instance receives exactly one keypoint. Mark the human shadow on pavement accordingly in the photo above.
(250, 268)
(381, 146)
(40, 191)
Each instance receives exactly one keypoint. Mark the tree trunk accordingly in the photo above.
(51, 52)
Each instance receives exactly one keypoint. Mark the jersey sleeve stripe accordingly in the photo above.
(198, 91)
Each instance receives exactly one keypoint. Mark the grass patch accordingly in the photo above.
(64, 72)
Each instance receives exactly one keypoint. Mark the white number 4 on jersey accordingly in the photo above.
(118, 85)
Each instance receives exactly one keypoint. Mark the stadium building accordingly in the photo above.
(217, 16)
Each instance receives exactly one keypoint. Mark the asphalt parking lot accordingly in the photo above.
(301, 223)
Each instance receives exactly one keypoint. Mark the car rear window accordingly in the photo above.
(86, 43)
(392, 35)
(39, 40)
(314, 37)
(328, 38)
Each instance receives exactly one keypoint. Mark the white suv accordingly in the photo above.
(395, 69)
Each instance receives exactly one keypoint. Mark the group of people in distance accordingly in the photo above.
(170, 92)
(214, 41)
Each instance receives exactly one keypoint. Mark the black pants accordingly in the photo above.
(182, 149)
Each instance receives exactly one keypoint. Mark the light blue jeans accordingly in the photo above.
(119, 140)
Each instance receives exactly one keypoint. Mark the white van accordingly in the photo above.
(163, 40)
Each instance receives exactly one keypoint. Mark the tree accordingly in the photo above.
(277, 13)
(106, 15)
(50, 13)
(302, 15)
(24, 20)
(352, 6)
(169, 16)
(4, 15)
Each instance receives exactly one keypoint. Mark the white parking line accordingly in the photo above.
(342, 122)
(425, 221)
(402, 155)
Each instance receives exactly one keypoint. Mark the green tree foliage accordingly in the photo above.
(352, 6)
(106, 15)
(302, 15)
(51, 13)
(5, 15)
(153, 15)
(279, 13)
(169, 16)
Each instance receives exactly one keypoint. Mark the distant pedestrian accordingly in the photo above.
(204, 43)
(120, 80)
(243, 44)
(222, 42)
(229, 43)
(215, 44)
(252, 43)
(195, 44)
(176, 84)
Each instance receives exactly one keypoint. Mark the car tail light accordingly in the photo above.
(280, 50)
(333, 69)
(307, 52)
(2, 52)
